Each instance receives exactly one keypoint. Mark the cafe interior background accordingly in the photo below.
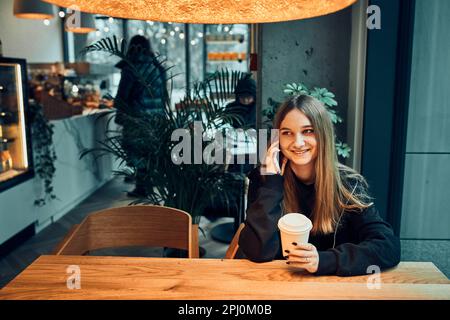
(391, 85)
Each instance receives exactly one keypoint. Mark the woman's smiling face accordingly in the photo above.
(298, 141)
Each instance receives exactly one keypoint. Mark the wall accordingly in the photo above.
(29, 39)
(313, 51)
(74, 181)
(426, 204)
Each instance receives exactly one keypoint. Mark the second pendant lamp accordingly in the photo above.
(33, 9)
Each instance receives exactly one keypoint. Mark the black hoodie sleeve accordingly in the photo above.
(377, 247)
(259, 239)
(374, 241)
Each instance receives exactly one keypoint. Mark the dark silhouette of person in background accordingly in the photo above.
(244, 103)
(134, 99)
(244, 106)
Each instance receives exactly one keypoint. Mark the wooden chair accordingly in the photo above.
(234, 245)
(143, 225)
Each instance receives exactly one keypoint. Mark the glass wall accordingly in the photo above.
(196, 52)
(106, 27)
(192, 51)
(227, 47)
(168, 41)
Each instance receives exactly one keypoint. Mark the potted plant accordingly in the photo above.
(43, 152)
(187, 186)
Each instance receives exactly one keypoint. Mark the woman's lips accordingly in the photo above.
(301, 152)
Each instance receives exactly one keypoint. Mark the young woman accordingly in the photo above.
(348, 235)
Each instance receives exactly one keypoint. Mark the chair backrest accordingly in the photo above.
(234, 245)
(143, 225)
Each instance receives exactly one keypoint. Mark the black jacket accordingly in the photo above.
(362, 239)
(132, 97)
(245, 86)
(247, 114)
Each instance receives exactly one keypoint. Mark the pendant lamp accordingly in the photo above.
(33, 9)
(209, 11)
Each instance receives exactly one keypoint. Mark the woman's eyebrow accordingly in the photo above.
(303, 127)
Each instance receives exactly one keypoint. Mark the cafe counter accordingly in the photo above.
(75, 179)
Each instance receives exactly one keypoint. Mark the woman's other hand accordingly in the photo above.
(303, 256)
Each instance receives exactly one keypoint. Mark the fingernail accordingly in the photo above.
(286, 257)
(294, 243)
(287, 251)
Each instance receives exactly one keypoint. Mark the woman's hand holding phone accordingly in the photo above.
(272, 165)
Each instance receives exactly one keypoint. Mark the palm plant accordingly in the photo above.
(190, 187)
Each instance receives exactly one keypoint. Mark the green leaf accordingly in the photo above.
(329, 94)
(291, 87)
(343, 149)
(329, 101)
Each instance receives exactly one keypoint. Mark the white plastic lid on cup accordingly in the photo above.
(294, 223)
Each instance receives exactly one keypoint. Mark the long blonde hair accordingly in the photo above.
(332, 194)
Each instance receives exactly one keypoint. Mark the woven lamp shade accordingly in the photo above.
(33, 9)
(209, 11)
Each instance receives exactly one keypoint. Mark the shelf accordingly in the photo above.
(6, 140)
(7, 175)
(224, 42)
(81, 69)
(225, 38)
(16, 162)
(222, 61)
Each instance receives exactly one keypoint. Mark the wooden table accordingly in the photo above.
(166, 278)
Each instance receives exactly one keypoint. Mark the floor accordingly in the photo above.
(113, 194)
